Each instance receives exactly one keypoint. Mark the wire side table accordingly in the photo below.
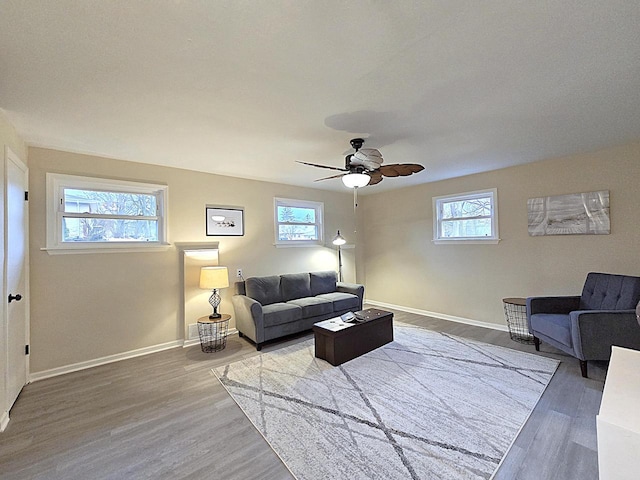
(515, 311)
(213, 333)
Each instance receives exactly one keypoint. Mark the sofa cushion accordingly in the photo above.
(341, 301)
(604, 291)
(313, 306)
(280, 313)
(553, 325)
(322, 282)
(295, 285)
(265, 290)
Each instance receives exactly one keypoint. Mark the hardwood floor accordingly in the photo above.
(165, 416)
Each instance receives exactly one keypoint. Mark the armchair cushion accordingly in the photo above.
(554, 325)
(609, 292)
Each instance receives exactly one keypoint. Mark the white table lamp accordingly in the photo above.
(214, 278)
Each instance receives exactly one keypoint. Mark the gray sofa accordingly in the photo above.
(271, 307)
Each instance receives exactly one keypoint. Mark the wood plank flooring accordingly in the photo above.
(165, 416)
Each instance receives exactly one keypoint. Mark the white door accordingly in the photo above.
(16, 273)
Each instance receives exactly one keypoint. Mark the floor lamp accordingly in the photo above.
(339, 240)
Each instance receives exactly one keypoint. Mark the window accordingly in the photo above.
(88, 214)
(298, 222)
(466, 217)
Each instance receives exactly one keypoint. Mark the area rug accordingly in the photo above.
(426, 406)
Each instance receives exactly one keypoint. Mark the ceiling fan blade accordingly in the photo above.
(388, 171)
(370, 152)
(376, 177)
(322, 166)
(400, 169)
(332, 176)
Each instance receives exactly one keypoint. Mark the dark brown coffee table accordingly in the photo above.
(338, 342)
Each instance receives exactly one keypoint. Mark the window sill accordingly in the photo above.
(297, 245)
(467, 241)
(118, 248)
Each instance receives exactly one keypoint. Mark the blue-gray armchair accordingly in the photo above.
(589, 325)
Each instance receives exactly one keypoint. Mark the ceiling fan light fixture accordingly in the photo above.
(356, 180)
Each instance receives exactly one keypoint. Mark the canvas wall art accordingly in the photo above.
(573, 214)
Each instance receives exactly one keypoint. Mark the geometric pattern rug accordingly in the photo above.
(426, 406)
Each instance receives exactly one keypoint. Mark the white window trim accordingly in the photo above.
(56, 183)
(495, 230)
(318, 206)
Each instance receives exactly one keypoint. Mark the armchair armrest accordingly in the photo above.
(249, 317)
(353, 288)
(593, 332)
(561, 305)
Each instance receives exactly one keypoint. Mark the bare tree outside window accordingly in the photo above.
(466, 216)
(134, 216)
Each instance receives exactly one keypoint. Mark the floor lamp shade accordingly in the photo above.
(214, 278)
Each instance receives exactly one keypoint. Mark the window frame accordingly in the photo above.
(438, 203)
(57, 183)
(294, 203)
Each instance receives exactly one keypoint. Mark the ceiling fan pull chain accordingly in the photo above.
(355, 199)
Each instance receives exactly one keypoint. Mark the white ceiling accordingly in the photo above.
(244, 88)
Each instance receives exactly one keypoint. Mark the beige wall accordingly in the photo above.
(402, 266)
(8, 139)
(87, 306)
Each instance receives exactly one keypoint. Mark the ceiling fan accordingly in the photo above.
(364, 167)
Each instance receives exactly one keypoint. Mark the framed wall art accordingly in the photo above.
(224, 221)
(574, 214)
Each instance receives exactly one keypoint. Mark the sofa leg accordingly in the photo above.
(240, 334)
(583, 368)
(258, 346)
(536, 343)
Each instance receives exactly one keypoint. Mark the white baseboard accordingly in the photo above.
(54, 372)
(443, 316)
(4, 421)
(191, 343)
(196, 341)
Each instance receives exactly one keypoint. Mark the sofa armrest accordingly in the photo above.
(593, 332)
(353, 288)
(249, 317)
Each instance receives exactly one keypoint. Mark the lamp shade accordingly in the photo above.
(339, 239)
(214, 277)
(356, 180)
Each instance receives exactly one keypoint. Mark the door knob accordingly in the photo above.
(16, 297)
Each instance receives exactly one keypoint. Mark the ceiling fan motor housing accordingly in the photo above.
(357, 143)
